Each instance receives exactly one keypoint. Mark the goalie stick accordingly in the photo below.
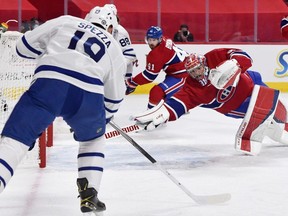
(200, 199)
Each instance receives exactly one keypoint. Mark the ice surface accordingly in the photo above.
(198, 150)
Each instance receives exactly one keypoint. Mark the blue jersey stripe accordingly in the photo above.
(70, 73)
(7, 166)
(111, 111)
(90, 168)
(29, 47)
(23, 56)
(3, 181)
(113, 101)
(91, 154)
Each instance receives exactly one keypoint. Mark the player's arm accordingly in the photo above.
(243, 59)
(171, 110)
(150, 73)
(128, 51)
(114, 88)
(158, 115)
(32, 44)
(126, 46)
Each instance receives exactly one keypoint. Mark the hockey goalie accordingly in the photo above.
(220, 80)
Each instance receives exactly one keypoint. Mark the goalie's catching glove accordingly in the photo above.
(130, 85)
(226, 74)
(152, 118)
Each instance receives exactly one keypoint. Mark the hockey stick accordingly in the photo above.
(200, 199)
(127, 129)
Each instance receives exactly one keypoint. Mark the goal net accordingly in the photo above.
(16, 74)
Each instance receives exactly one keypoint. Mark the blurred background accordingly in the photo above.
(209, 21)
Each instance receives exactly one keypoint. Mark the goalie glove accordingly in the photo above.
(226, 74)
(152, 118)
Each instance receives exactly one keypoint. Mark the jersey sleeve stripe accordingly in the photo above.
(113, 101)
(23, 56)
(30, 47)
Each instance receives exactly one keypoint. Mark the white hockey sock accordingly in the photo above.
(91, 160)
(11, 154)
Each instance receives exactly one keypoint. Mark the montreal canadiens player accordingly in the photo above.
(122, 37)
(284, 27)
(80, 77)
(164, 56)
(219, 80)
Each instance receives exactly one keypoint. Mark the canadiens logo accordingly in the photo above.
(282, 61)
(224, 95)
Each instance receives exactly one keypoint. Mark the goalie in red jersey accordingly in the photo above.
(166, 56)
(220, 80)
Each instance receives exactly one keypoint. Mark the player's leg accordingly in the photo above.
(278, 127)
(89, 125)
(11, 154)
(257, 120)
(25, 124)
(164, 90)
(155, 96)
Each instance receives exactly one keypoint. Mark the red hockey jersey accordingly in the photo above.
(167, 57)
(193, 94)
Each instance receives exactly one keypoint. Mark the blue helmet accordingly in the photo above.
(154, 32)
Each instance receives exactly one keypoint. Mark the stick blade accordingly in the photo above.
(212, 199)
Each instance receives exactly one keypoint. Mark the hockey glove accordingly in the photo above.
(152, 118)
(226, 74)
(135, 63)
(130, 85)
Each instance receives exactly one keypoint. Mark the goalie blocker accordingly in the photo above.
(265, 116)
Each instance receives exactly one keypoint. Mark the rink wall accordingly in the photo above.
(270, 60)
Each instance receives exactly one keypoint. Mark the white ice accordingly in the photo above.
(198, 150)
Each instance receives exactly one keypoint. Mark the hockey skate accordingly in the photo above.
(89, 203)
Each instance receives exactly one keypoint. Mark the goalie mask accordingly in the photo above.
(196, 67)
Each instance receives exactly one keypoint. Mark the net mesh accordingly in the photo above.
(15, 77)
(15, 74)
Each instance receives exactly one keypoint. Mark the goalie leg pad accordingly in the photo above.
(258, 118)
(278, 130)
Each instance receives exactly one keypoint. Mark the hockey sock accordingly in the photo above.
(11, 153)
(91, 160)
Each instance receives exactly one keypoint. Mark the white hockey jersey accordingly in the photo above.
(123, 38)
(75, 51)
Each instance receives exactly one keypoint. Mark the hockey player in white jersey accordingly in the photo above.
(80, 77)
(121, 35)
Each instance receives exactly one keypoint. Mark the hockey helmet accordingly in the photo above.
(112, 7)
(154, 32)
(102, 16)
